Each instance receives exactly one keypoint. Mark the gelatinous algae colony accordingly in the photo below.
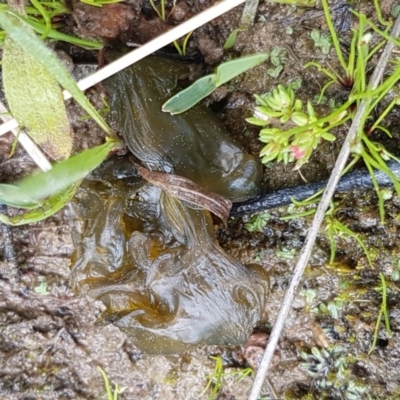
(152, 259)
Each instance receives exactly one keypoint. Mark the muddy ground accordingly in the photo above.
(51, 342)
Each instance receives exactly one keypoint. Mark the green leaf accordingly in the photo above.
(229, 70)
(204, 86)
(65, 173)
(13, 196)
(256, 121)
(328, 136)
(41, 53)
(36, 101)
(54, 34)
(49, 207)
(187, 98)
(230, 42)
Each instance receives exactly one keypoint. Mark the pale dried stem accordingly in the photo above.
(26, 142)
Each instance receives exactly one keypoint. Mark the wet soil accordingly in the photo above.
(51, 341)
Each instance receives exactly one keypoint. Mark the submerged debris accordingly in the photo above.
(160, 271)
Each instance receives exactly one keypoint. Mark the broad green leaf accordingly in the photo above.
(229, 70)
(54, 34)
(65, 173)
(187, 98)
(13, 196)
(36, 100)
(49, 207)
(41, 53)
(203, 87)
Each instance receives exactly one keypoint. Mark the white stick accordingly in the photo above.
(317, 221)
(27, 143)
(161, 41)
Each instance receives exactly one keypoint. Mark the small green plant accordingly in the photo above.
(395, 276)
(296, 143)
(28, 62)
(39, 18)
(331, 373)
(336, 229)
(257, 222)
(162, 14)
(161, 11)
(321, 40)
(396, 11)
(277, 58)
(41, 287)
(286, 254)
(383, 312)
(215, 380)
(231, 41)
(111, 395)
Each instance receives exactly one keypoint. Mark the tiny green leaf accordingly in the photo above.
(328, 136)
(190, 96)
(230, 42)
(256, 121)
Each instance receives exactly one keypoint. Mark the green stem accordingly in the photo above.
(178, 48)
(352, 55)
(379, 14)
(384, 34)
(384, 304)
(383, 114)
(163, 10)
(381, 201)
(333, 34)
(332, 242)
(327, 119)
(46, 18)
(382, 311)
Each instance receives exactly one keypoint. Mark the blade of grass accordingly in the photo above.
(54, 34)
(46, 18)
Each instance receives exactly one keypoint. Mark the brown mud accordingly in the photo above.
(52, 341)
